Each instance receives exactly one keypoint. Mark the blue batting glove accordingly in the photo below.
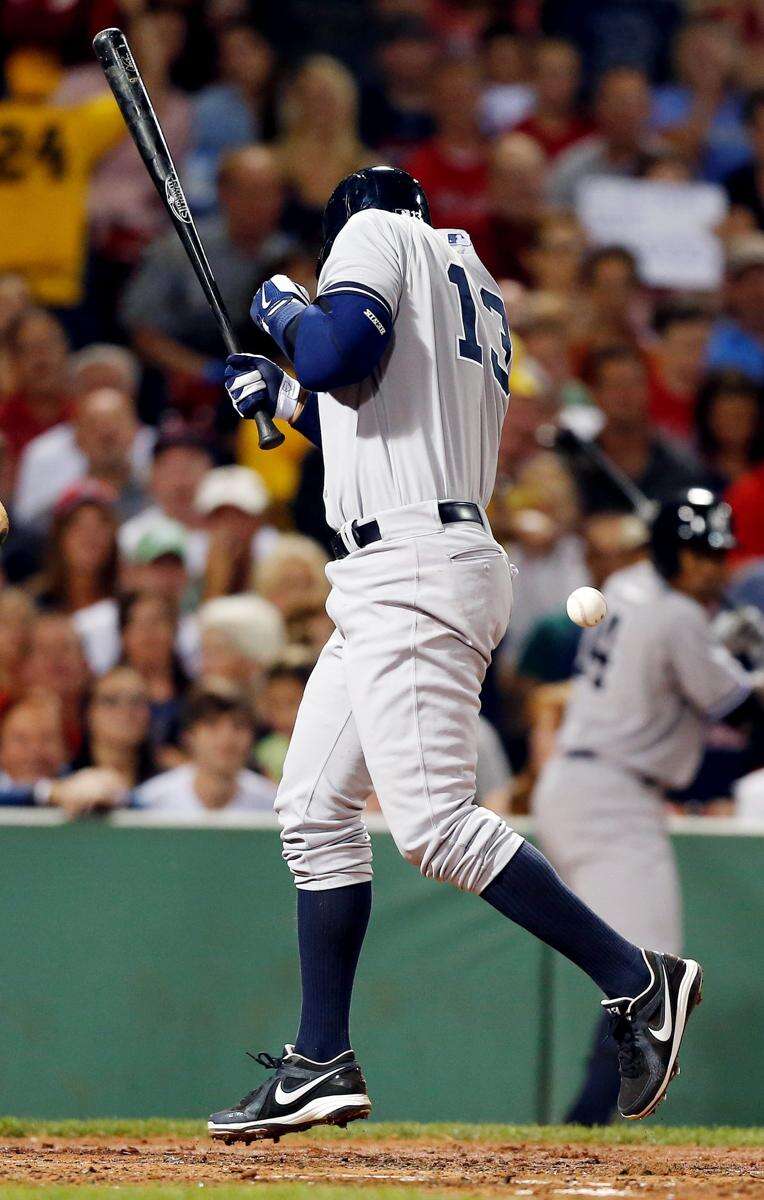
(251, 379)
(276, 304)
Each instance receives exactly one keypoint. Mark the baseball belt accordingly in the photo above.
(366, 532)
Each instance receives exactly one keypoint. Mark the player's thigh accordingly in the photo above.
(414, 683)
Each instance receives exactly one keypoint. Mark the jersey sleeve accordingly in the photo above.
(367, 258)
(710, 679)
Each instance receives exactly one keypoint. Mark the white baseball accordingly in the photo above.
(586, 607)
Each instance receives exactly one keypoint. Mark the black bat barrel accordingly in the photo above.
(124, 79)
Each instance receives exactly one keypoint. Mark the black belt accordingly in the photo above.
(647, 780)
(368, 532)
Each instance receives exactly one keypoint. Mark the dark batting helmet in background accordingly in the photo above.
(698, 520)
(388, 188)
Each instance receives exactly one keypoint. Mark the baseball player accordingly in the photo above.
(648, 679)
(402, 367)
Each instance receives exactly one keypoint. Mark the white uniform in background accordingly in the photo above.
(650, 677)
(393, 702)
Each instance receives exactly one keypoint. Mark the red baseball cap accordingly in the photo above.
(85, 491)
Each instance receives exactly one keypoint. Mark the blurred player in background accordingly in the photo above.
(649, 678)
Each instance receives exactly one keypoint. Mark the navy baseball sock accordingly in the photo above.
(529, 891)
(331, 926)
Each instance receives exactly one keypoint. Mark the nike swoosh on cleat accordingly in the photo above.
(663, 1033)
(283, 1097)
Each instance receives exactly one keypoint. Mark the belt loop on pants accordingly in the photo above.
(646, 780)
(354, 535)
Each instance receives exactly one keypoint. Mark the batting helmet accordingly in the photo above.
(697, 519)
(388, 188)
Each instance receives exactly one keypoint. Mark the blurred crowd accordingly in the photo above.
(163, 585)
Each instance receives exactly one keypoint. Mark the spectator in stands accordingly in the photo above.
(104, 441)
(292, 574)
(59, 147)
(544, 324)
(556, 123)
(702, 114)
(321, 143)
(516, 206)
(149, 626)
(620, 390)
(32, 743)
(729, 420)
(745, 185)
(15, 297)
(276, 708)
(612, 308)
(746, 497)
(395, 110)
(241, 638)
(543, 543)
(508, 95)
(17, 614)
(737, 339)
(453, 166)
(233, 111)
(554, 261)
(218, 733)
(622, 112)
(41, 394)
(81, 568)
(56, 665)
(117, 720)
(232, 501)
(675, 364)
(164, 308)
(309, 627)
(180, 462)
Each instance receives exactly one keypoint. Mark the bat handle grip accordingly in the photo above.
(268, 435)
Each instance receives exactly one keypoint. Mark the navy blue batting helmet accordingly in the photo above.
(388, 188)
(696, 519)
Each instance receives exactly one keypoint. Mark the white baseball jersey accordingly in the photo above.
(650, 676)
(426, 424)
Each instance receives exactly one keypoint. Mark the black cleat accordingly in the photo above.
(302, 1093)
(649, 1030)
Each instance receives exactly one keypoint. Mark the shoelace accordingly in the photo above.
(630, 1057)
(265, 1060)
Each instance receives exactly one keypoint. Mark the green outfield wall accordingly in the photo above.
(137, 965)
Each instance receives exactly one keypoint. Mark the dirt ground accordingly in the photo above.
(522, 1169)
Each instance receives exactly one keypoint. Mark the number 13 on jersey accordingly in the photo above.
(469, 346)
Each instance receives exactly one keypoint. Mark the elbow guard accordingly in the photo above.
(340, 339)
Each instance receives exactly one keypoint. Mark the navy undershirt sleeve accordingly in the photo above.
(308, 422)
(340, 339)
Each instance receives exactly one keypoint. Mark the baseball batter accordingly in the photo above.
(402, 367)
(648, 679)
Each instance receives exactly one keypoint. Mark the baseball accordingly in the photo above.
(4, 523)
(586, 607)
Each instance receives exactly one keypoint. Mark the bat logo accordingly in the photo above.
(128, 63)
(175, 198)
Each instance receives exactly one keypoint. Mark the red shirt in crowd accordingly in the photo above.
(671, 411)
(554, 143)
(456, 183)
(20, 422)
(746, 497)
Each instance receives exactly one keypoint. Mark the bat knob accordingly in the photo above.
(268, 436)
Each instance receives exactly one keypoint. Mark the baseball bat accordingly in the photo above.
(562, 437)
(124, 79)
